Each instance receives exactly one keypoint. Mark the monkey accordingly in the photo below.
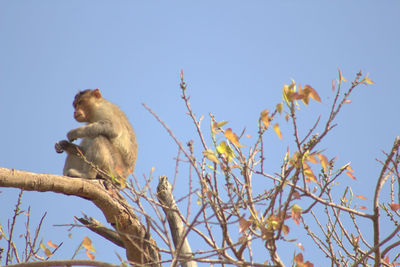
(108, 139)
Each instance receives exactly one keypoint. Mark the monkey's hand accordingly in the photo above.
(65, 146)
(61, 146)
(74, 134)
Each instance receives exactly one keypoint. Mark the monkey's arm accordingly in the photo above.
(105, 128)
(66, 146)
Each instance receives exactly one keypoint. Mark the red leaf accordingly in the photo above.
(50, 244)
(394, 206)
(361, 197)
(386, 260)
(90, 255)
(351, 176)
(299, 259)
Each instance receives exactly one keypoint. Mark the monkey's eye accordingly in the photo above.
(77, 103)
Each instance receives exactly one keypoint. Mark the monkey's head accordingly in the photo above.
(85, 103)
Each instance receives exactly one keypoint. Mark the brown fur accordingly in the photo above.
(108, 140)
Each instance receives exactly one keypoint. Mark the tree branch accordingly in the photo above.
(139, 248)
(98, 228)
(171, 210)
(381, 181)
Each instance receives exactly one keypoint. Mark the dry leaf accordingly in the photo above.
(341, 78)
(210, 155)
(243, 224)
(232, 137)
(87, 243)
(90, 255)
(296, 213)
(50, 244)
(394, 206)
(351, 175)
(277, 130)
(265, 118)
(324, 161)
(361, 197)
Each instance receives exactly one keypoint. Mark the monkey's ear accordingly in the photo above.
(96, 93)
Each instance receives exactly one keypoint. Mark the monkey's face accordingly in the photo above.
(83, 106)
(84, 103)
(80, 114)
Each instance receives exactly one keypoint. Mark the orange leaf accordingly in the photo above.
(50, 244)
(296, 213)
(386, 259)
(394, 206)
(300, 245)
(363, 208)
(299, 259)
(361, 197)
(243, 224)
(285, 229)
(90, 255)
(311, 158)
(265, 118)
(278, 131)
(308, 91)
(87, 243)
(314, 95)
(232, 137)
(297, 96)
(279, 108)
(349, 168)
(351, 175)
(324, 162)
(309, 173)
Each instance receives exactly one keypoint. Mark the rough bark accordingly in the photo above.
(140, 247)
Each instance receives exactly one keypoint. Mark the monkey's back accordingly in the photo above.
(125, 142)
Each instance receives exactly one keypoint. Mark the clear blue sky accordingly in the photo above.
(236, 56)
